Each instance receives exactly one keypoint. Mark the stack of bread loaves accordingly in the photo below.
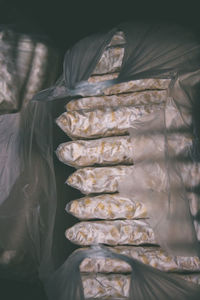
(103, 152)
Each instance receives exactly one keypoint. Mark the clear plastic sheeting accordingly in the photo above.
(170, 216)
(114, 285)
(27, 183)
(145, 281)
(151, 50)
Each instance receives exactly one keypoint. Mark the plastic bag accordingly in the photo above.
(151, 51)
(27, 180)
(146, 282)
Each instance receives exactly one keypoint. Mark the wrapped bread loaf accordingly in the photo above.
(102, 122)
(122, 232)
(116, 285)
(153, 256)
(137, 98)
(120, 149)
(106, 206)
(154, 176)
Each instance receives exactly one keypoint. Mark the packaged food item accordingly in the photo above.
(135, 98)
(102, 122)
(98, 180)
(105, 151)
(153, 176)
(120, 232)
(97, 286)
(153, 256)
(106, 206)
(121, 149)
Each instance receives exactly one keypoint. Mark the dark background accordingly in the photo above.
(64, 23)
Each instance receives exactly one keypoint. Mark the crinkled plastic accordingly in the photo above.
(151, 51)
(27, 180)
(146, 282)
(169, 207)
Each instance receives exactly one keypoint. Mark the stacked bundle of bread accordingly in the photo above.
(103, 153)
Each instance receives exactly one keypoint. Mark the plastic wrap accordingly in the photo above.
(120, 232)
(136, 98)
(149, 176)
(151, 51)
(153, 256)
(121, 149)
(105, 151)
(144, 282)
(106, 206)
(102, 122)
(115, 285)
(27, 181)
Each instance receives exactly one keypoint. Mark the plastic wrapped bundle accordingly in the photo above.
(102, 122)
(110, 61)
(153, 256)
(138, 285)
(115, 285)
(137, 85)
(151, 51)
(106, 179)
(122, 232)
(120, 149)
(137, 98)
(98, 180)
(112, 56)
(106, 206)
(106, 151)
(99, 286)
(111, 121)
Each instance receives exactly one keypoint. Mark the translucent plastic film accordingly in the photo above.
(163, 172)
(166, 196)
(145, 283)
(27, 183)
(151, 51)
